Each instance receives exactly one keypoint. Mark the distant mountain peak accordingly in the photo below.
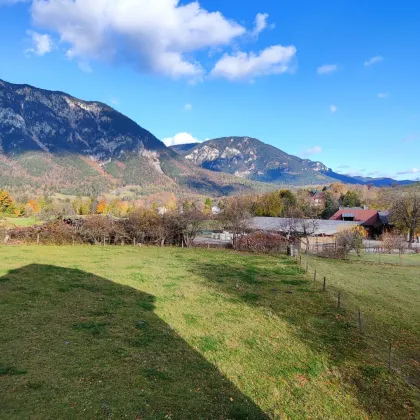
(250, 158)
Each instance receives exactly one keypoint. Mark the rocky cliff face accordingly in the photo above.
(250, 158)
(32, 119)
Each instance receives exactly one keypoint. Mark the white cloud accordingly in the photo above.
(188, 107)
(42, 44)
(374, 60)
(242, 65)
(312, 151)
(410, 171)
(156, 36)
(180, 138)
(327, 69)
(260, 24)
(333, 109)
(383, 95)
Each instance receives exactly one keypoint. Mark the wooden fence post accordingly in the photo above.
(315, 276)
(300, 260)
(324, 287)
(360, 321)
(339, 300)
(104, 240)
(37, 238)
(134, 242)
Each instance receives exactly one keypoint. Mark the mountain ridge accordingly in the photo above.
(50, 140)
(250, 158)
(280, 168)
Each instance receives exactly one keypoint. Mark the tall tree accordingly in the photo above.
(331, 206)
(351, 199)
(208, 205)
(405, 213)
(6, 202)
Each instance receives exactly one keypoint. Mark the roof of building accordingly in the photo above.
(384, 216)
(367, 217)
(322, 227)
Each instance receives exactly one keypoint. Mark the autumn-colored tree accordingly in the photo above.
(338, 189)
(19, 210)
(34, 205)
(274, 204)
(102, 207)
(171, 203)
(6, 202)
(122, 208)
(82, 207)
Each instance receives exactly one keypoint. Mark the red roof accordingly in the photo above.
(368, 217)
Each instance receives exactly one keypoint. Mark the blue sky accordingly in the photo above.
(335, 81)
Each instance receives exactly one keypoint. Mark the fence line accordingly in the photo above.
(390, 351)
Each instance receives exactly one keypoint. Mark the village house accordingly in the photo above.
(318, 198)
(376, 222)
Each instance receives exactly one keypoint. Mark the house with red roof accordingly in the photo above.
(374, 221)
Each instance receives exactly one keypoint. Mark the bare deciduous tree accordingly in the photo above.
(295, 227)
(351, 240)
(236, 217)
(184, 225)
(405, 213)
(394, 242)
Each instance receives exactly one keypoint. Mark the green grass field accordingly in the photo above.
(165, 333)
(388, 297)
(395, 259)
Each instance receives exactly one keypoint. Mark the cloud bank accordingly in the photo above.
(162, 37)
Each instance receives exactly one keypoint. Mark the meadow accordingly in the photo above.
(168, 333)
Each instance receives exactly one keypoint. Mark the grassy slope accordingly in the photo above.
(180, 334)
(388, 297)
(378, 258)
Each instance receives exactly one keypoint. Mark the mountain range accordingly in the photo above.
(54, 142)
(51, 141)
(252, 159)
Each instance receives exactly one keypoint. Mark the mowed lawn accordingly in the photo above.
(166, 333)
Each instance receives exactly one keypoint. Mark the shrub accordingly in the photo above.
(52, 233)
(263, 242)
(351, 240)
(394, 242)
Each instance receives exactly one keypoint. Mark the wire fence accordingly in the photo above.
(394, 348)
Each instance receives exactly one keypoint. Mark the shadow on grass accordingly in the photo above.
(315, 319)
(75, 345)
